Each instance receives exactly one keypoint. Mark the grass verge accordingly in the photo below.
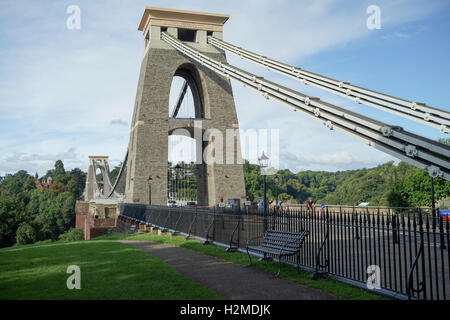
(288, 272)
(109, 270)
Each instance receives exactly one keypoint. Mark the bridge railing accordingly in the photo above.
(402, 252)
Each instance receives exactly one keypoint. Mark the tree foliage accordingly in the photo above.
(25, 234)
(74, 234)
(385, 185)
(28, 214)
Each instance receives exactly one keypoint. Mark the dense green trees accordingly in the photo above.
(28, 214)
(413, 189)
(12, 213)
(385, 185)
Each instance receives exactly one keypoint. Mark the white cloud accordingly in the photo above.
(118, 122)
(40, 163)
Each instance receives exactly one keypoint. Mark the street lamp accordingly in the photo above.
(277, 208)
(276, 180)
(150, 180)
(264, 163)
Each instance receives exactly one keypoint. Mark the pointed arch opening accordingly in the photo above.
(186, 94)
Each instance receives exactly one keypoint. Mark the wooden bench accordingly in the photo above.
(279, 244)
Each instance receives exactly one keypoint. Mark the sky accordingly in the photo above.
(67, 94)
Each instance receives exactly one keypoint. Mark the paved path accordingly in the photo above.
(229, 280)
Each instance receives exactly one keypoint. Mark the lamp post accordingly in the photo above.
(150, 180)
(277, 209)
(276, 180)
(435, 214)
(432, 196)
(264, 163)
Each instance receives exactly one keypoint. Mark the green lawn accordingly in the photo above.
(109, 270)
(112, 270)
(335, 287)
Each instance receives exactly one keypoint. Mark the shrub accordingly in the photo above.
(44, 232)
(25, 234)
(44, 241)
(74, 234)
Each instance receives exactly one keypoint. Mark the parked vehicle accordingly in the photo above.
(190, 204)
(171, 203)
(445, 215)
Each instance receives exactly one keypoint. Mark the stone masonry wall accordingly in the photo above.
(148, 148)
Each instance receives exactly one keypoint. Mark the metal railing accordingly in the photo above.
(407, 246)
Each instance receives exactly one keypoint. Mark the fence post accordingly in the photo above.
(214, 224)
(275, 212)
(190, 236)
(232, 247)
(395, 225)
(265, 218)
(320, 269)
(422, 247)
(421, 285)
(355, 219)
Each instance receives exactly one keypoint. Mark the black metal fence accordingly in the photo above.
(399, 251)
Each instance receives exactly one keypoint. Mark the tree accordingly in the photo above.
(13, 183)
(29, 184)
(58, 187)
(25, 234)
(77, 183)
(115, 172)
(284, 197)
(59, 168)
(414, 189)
(12, 213)
(49, 212)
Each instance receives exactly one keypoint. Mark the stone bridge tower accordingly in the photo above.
(94, 189)
(214, 112)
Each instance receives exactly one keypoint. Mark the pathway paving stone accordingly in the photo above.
(229, 280)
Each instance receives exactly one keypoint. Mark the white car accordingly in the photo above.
(171, 203)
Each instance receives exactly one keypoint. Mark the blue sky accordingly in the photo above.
(67, 94)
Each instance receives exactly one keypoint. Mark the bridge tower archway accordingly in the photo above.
(214, 112)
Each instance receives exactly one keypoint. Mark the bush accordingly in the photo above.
(44, 241)
(25, 234)
(44, 232)
(74, 234)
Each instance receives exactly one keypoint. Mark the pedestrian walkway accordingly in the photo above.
(229, 280)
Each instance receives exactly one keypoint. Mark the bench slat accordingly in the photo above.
(282, 235)
(276, 240)
(279, 246)
(283, 241)
(279, 243)
(270, 251)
